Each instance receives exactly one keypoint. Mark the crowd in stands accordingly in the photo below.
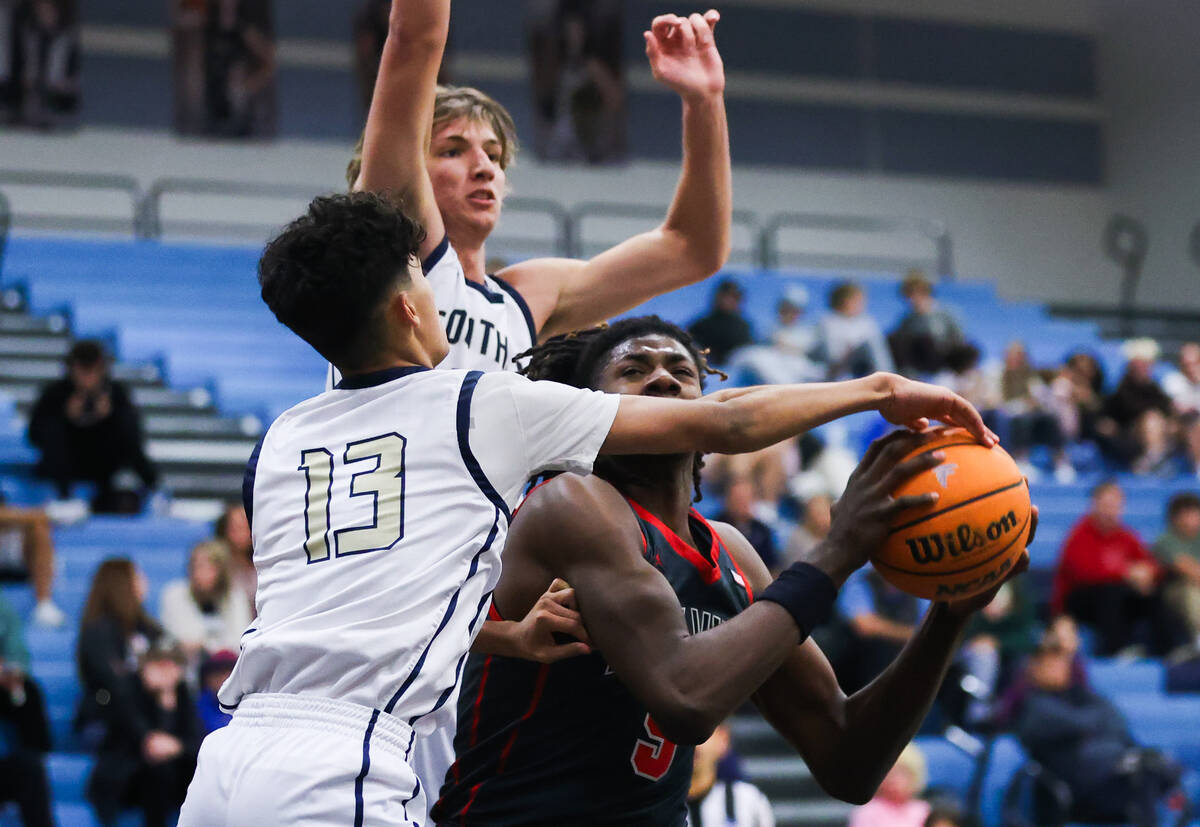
(1112, 592)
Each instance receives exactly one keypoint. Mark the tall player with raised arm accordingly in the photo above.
(448, 150)
(379, 509)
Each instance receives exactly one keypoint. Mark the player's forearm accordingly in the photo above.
(419, 23)
(772, 413)
(884, 716)
(701, 212)
(709, 675)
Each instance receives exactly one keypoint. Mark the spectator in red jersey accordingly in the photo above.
(1109, 580)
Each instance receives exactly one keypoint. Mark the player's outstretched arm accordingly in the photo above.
(396, 137)
(749, 419)
(581, 529)
(693, 241)
(851, 743)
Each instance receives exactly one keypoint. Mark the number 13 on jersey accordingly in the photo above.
(381, 460)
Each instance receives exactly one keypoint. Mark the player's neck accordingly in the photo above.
(473, 259)
(663, 486)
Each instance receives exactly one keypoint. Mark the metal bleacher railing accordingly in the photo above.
(102, 221)
(560, 230)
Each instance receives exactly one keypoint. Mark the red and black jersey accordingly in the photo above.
(566, 743)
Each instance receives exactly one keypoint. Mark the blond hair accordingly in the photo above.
(452, 103)
(913, 760)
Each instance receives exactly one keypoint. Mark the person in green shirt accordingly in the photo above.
(1179, 550)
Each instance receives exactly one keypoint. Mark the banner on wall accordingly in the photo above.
(225, 68)
(39, 62)
(579, 93)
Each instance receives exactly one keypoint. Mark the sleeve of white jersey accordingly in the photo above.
(521, 428)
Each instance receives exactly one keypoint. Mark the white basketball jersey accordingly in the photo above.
(378, 511)
(487, 324)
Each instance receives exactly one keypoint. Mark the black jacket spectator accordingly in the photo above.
(149, 768)
(927, 334)
(724, 329)
(87, 429)
(115, 631)
(1084, 741)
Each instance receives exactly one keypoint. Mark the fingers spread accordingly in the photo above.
(911, 501)
(904, 471)
(556, 624)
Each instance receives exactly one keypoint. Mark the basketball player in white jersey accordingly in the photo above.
(379, 509)
(448, 150)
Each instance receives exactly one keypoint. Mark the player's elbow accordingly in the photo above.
(846, 783)
(685, 720)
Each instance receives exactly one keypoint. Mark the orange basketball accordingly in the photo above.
(974, 534)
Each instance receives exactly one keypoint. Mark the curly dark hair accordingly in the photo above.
(577, 359)
(326, 274)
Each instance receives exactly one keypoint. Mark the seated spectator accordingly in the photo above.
(789, 355)
(148, 762)
(1063, 634)
(717, 796)
(724, 329)
(818, 516)
(1078, 394)
(997, 638)
(1183, 385)
(739, 512)
(964, 376)
(1154, 446)
(24, 731)
(203, 612)
(114, 632)
(25, 541)
(214, 671)
(1108, 580)
(1136, 395)
(874, 621)
(896, 802)
(928, 333)
(233, 529)
(1178, 549)
(1026, 421)
(1083, 741)
(87, 429)
(1187, 461)
(851, 342)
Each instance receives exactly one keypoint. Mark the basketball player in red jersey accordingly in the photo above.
(607, 738)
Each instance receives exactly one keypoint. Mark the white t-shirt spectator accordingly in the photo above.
(184, 620)
(739, 805)
(1183, 391)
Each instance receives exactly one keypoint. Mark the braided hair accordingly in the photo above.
(577, 358)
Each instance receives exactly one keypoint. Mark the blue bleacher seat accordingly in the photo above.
(950, 768)
(1006, 757)
(1111, 678)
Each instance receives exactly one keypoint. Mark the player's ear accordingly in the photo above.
(405, 311)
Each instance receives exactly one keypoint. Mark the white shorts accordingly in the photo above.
(293, 760)
(433, 751)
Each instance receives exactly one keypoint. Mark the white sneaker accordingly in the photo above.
(46, 614)
(67, 512)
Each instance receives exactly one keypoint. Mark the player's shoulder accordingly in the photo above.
(572, 504)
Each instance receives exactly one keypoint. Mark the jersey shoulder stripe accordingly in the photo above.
(520, 302)
(248, 479)
(463, 423)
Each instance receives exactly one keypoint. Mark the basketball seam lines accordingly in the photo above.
(948, 509)
(975, 565)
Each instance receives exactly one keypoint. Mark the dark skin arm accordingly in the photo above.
(582, 530)
(850, 743)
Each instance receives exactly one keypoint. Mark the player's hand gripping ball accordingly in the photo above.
(972, 537)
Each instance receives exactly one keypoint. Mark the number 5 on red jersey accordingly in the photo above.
(652, 756)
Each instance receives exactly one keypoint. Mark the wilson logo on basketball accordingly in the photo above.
(930, 548)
